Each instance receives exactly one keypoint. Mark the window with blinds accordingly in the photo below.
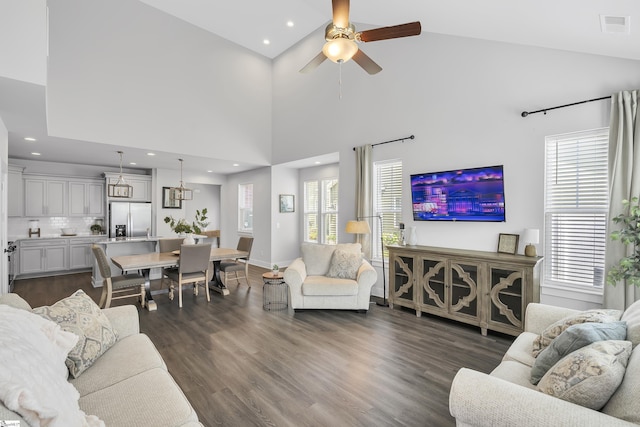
(576, 205)
(387, 188)
(245, 207)
(321, 211)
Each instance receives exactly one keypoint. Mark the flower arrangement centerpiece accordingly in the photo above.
(181, 226)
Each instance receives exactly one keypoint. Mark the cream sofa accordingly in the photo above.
(310, 286)
(507, 398)
(129, 384)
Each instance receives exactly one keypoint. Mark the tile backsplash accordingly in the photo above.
(19, 227)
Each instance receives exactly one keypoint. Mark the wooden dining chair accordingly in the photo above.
(193, 268)
(240, 265)
(125, 286)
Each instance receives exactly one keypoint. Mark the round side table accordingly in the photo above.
(275, 292)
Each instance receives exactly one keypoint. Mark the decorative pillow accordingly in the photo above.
(632, 316)
(344, 265)
(555, 329)
(589, 376)
(317, 257)
(625, 402)
(33, 376)
(572, 339)
(80, 315)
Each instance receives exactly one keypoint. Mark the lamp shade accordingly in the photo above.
(340, 49)
(531, 236)
(358, 227)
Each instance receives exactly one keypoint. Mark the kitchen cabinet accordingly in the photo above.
(45, 197)
(15, 191)
(80, 254)
(486, 289)
(141, 186)
(86, 198)
(42, 255)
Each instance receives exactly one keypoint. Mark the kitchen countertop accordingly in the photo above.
(54, 236)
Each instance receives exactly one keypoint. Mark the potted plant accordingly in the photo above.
(275, 269)
(181, 226)
(96, 229)
(628, 268)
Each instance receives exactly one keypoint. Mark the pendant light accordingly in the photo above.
(120, 189)
(181, 192)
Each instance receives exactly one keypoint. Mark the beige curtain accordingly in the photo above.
(624, 183)
(364, 192)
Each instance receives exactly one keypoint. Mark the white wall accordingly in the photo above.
(262, 214)
(462, 98)
(4, 145)
(285, 236)
(167, 85)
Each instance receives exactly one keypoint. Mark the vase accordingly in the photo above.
(413, 236)
(189, 240)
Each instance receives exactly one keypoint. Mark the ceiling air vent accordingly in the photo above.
(615, 24)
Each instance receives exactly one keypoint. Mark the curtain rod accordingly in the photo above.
(393, 140)
(526, 113)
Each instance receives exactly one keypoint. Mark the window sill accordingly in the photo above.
(593, 296)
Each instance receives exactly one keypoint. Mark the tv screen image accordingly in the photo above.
(475, 194)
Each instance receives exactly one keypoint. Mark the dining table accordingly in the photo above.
(145, 262)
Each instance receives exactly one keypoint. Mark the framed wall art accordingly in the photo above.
(508, 243)
(287, 203)
(168, 202)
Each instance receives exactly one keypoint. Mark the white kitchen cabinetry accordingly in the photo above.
(80, 254)
(43, 255)
(45, 197)
(86, 198)
(15, 191)
(141, 186)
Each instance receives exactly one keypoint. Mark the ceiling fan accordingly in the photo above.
(342, 37)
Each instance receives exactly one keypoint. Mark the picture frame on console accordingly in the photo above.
(167, 202)
(508, 243)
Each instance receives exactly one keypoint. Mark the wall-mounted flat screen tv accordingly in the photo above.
(475, 194)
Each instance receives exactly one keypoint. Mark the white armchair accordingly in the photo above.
(330, 277)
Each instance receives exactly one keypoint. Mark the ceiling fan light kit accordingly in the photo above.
(341, 37)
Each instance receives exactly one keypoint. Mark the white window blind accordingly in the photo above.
(576, 205)
(321, 211)
(387, 182)
(311, 211)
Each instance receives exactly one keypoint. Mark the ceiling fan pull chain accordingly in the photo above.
(340, 78)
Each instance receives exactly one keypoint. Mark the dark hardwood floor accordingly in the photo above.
(240, 365)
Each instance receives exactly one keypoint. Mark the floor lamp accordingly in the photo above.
(362, 227)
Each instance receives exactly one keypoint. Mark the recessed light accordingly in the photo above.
(133, 163)
(151, 154)
(317, 163)
(236, 164)
(36, 154)
(266, 41)
(289, 23)
(28, 138)
(209, 171)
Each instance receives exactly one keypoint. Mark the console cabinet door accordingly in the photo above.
(402, 289)
(506, 298)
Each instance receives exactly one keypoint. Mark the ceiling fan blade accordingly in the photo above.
(366, 63)
(314, 63)
(340, 13)
(393, 32)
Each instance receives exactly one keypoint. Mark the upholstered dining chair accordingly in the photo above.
(193, 268)
(213, 234)
(168, 245)
(240, 265)
(125, 286)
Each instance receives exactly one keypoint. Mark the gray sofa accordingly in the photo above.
(128, 385)
(506, 397)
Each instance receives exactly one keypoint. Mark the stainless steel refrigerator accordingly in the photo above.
(129, 219)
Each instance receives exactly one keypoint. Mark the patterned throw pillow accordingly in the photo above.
(589, 376)
(573, 338)
(80, 315)
(555, 329)
(344, 264)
